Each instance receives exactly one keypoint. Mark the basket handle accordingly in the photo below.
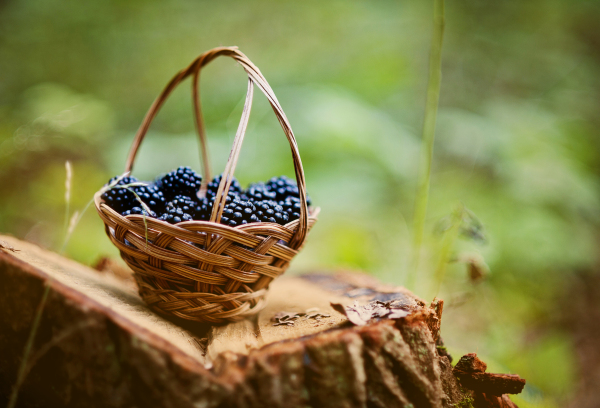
(255, 77)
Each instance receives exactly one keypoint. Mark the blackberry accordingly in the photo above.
(284, 187)
(187, 204)
(271, 211)
(291, 206)
(259, 192)
(183, 181)
(152, 196)
(180, 208)
(239, 212)
(174, 215)
(202, 210)
(213, 187)
(173, 218)
(139, 210)
(118, 198)
(231, 197)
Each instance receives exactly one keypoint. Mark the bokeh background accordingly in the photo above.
(517, 143)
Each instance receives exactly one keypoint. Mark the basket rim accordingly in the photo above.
(99, 202)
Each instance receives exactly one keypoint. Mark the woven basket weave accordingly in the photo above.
(203, 270)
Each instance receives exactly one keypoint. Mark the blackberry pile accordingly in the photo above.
(172, 198)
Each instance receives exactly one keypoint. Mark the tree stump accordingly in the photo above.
(73, 336)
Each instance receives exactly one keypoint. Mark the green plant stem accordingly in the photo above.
(12, 402)
(431, 107)
(450, 236)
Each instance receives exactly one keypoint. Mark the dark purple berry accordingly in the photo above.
(141, 211)
(259, 192)
(283, 188)
(213, 187)
(118, 197)
(183, 181)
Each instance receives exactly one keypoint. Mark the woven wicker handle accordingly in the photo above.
(255, 77)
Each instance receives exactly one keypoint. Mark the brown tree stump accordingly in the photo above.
(72, 336)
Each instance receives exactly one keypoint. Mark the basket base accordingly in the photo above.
(209, 307)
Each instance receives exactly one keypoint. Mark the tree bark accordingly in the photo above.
(96, 343)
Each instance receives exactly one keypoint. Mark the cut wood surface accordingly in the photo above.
(98, 344)
(312, 293)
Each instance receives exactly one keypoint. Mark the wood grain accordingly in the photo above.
(99, 345)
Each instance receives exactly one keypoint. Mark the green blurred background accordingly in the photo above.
(516, 143)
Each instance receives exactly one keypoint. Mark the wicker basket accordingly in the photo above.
(203, 270)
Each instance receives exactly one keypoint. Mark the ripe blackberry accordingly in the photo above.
(271, 211)
(152, 196)
(291, 206)
(202, 210)
(213, 187)
(239, 212)
(183, 181)
(231, 196)
(180, 208)
(284, 187)
(139, 210)
(187, 204)
(175, 215)
(118, 198)
(259, 192)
